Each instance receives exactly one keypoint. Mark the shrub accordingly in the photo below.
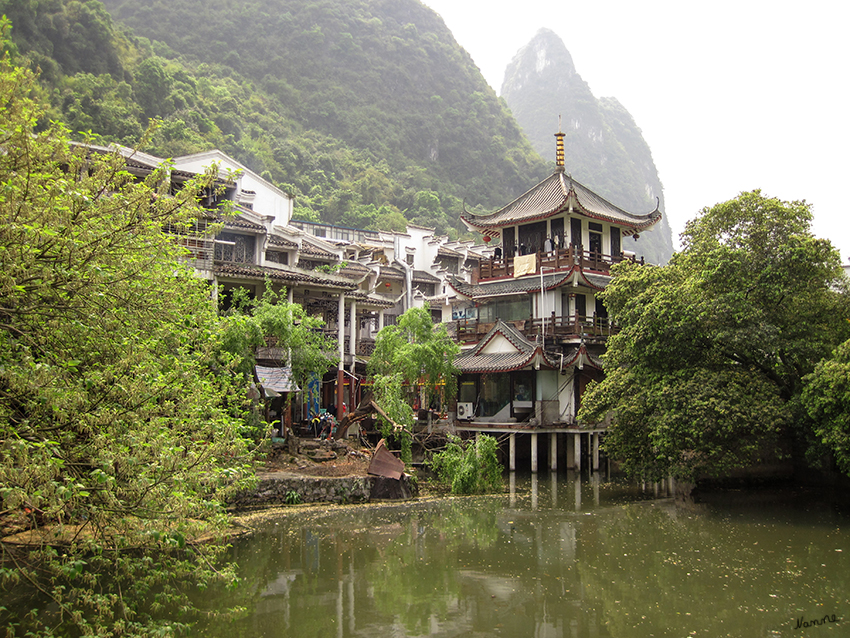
(471, 468)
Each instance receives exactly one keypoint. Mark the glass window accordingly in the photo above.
(495, 393)
(506, 309)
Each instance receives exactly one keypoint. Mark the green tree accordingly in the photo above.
(707, 370)
(414, 352)
(115, 447)
(271, 320)
(826, 398)
(473, 468)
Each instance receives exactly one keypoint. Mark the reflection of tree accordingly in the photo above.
(471, 566)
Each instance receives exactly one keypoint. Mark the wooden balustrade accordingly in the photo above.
(561, 259)
(556, 327)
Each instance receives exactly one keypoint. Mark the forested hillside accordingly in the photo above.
(363, 110)
(603, 149)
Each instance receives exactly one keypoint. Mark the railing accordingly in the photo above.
(571, 326)
(557, 328)
(199, 253)
(561, 259)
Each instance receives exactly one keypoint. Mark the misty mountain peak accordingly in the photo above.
(604, 147)
(545, 55)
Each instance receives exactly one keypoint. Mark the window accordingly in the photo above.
(277, 256)
(234, 248)
(506, 309)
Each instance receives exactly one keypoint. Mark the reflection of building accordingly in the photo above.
(535, 341)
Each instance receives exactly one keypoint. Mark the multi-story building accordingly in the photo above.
(531, 325)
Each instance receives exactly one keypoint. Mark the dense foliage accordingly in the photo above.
(708, 368)
(469, 468)
(412, 354)
(116, 448)
(603, 148)
(363, 110)
(286, 331)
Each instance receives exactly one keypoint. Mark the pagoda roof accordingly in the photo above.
(505, 349)
(557, 194)
(528, 284)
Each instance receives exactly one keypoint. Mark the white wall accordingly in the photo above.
(269, 199)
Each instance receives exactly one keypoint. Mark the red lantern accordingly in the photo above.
(487, 238)
(387, 284)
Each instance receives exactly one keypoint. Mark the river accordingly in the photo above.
(557, 557)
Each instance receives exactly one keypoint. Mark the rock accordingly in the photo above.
(387, 489)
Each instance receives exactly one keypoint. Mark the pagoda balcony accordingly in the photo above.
(554, 329)
(553, 261)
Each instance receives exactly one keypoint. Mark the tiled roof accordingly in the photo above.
(308, 248)
(425, 276)
(277, 240)
(370, 300)
(243, 224)
(285, 273)
(448, 252)
(354, 269)
(554, 195)
(388, 272)
(524, 354)
(508, 286)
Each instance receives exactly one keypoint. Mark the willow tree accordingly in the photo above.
(115, 449)
(707, 370)
(413, 353)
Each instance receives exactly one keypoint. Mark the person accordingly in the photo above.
(329, 426)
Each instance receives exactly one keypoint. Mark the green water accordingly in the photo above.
(558, 557)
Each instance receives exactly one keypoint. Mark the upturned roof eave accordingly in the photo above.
(634, 222)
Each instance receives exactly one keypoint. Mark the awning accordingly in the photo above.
(278, 380)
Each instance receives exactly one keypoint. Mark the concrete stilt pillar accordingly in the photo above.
(595, 451)
(577, 452)
(512, 451)
(553, 451)
(512, 488)
(534, 452)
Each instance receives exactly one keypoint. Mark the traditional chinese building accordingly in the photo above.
(531, 324)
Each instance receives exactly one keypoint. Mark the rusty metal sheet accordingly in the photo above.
(384, 463)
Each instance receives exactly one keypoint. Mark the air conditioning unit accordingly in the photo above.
(465, 411)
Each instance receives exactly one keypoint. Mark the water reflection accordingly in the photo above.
(557, 556)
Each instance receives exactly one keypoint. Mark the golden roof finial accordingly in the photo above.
(559, 147)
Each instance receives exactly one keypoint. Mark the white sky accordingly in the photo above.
(730, 95)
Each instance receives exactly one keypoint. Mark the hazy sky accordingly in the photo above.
(730, 96)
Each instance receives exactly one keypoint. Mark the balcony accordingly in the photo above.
(557, 329)
(561, 259)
